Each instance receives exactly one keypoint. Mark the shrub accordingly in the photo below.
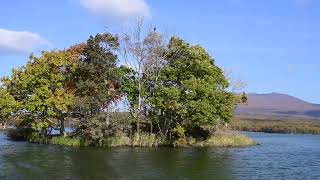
(147, 140)
(117, 141)
(37, 137)
(19, 134)
(67, 141)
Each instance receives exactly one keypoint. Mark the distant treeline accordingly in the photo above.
(277, 126)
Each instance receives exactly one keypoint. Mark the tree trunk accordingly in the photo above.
(139, 97)
(138, 111)
(138, 124)
(62, 131)
(108, 114)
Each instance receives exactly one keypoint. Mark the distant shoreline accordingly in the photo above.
(303, 126)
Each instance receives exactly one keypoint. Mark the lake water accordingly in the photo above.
(280, 156)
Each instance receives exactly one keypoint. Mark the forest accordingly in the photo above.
(131, 89)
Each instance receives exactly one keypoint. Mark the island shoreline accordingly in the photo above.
(220, 139)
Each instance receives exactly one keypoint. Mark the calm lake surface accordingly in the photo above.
(280, 156)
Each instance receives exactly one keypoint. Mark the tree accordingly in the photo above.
(96, 81)
(172, 87)
(192, 91)
(42, 88)
(143, 55)
(8, 106)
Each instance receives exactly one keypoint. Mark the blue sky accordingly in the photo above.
(272, 45)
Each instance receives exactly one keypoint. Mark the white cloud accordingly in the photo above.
(15, 42)
(122, 9)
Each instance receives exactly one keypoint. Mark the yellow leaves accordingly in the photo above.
(7, 104)
(62, 100)
(38, 126)
(40, 85)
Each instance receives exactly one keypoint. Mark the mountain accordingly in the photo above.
(277, 105)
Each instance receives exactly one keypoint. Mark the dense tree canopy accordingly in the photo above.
(97, 72)
(174, 89)
(42, 89)
(96, 82)
(8, 106)
(191, 90)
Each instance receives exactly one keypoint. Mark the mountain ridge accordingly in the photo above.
(277, 105)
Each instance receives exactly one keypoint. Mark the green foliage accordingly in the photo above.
(277, 126)
(128, 86)
(97, 74)
(40, 126)
(66, 141)
(117, 141)
(97, 80)
(147, 140)
(41, 87)
(93, 130)
(236, 140)
(97, 130)
(8, 106)
(179, 132)
(143, 55)
(36, 137)
(19, 134)
(175, 91)
(191, 91)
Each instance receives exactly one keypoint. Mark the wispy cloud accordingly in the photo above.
(120, 9)
(16, 42)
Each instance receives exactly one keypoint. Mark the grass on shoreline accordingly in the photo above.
(228, 139)
(277, 126)
(66, 141)
(237, 140)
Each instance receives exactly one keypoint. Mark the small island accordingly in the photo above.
(137, 89)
